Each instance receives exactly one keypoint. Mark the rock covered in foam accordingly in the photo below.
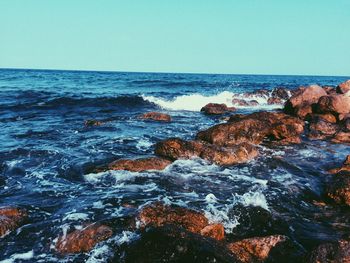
(175, 148)
(10, 219)
(216, 109)
(83, 240)
(139, 165)
(156, 116)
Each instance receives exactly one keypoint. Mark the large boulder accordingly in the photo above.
(175, 148)
(254, 128)
(83, 240)
(309, 96)
(339, 188)
(336, 104)
(331, 252)
(170, 243)
(139, 165)
(216, 109)
(10, 219)
(156, 116)
(344, 87)
(256, 249)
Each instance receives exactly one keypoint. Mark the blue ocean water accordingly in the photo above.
(47, 155)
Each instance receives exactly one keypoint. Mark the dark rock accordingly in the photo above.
(344, 87)
(274, 100)
(89, 123)
(139, 165)
(245, 103)
(344, 167)
(321, 129)
(339, 188)
(281, 93)
(216, 109)
(303, 111)
(331, 252)
(170, 243)
(83, 240)
(10, 219)
(175, 148)
(156, 116)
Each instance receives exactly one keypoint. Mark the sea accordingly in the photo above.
(47, 156)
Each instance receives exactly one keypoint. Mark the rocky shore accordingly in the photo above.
(172, 233)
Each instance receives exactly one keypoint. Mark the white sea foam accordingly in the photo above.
(194, 102)
(253, 198)
(19, 256)
(76, 216)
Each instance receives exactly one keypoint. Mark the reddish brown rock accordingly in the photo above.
(339, 188)
(347, 160)
(255, 249)
(215, 231)
(341, 137)
(331, 252)
(281, 93)
(343, 117)
(139, 165)
(303, 111)
(216, 109)
(158, 214)
(89, 123)
(321, 129)
(156, 116)
(309, 95)
(327, 117)
(344, 167)
(254, 128)
(175, 148)
(344, 87)
(330, 90)
(336, 104)
(274, 100)
(10, 219)
(83, 240)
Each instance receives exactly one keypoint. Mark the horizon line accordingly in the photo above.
(168, 72)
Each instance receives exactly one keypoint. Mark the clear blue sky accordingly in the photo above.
(224, 36)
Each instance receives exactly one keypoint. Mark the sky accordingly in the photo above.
(293, 37)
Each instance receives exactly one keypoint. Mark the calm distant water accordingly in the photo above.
(47, 154)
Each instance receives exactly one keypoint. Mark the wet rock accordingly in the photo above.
(281, 93)
(343, 117)
(174, 244)
(303, 111)
(330, 90)
(89, 123)
(156, 116)
(83, 240)
(274, 100)
(159, 214)
(331, 252)
(175, 148)
(336, 104)
(341, 137)
(139, 165)
(216, 109)
(215, 231)
(344, 167)
(339, 188)
(254, 128)
(309, 96)
(255, 249)
(344, 87)
(245, 103)
(10, 219)
(327, 117)
(321, 129)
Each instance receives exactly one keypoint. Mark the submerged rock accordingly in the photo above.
(83, 240)
(170, 243)
(10, 219)
(139, 165)
(331, 252)
(156, 116)
(175, 148)
(344, 87)
(255, 249)
(216, 109)
(89, 123)
(254, 128)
